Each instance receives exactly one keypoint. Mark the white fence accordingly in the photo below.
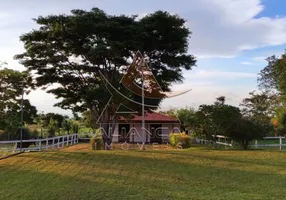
(223, 140)
(280, 145)
(40, 144)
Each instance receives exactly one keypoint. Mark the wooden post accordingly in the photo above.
(67, 140)
(53, 142)
(58, 142)
(63, 141)
(280, 141)
(256, 144)
(72, 139)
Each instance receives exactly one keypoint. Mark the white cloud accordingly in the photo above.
(200, 74)
(44, 102)
(206, 95)
(246, 63)
(225, 27)
(259, 59)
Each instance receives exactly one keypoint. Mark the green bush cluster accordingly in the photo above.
(96, 143)
(27, 134)
(180, 140)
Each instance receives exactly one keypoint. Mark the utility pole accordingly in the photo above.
(143, 109)
(22, 118)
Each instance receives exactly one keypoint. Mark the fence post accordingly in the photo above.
(76, 138)
(53, 142)
(67, 140)
(72, 139)
(58, 140)
(40, 145)
(231, 143)
(256, 144)
(280, 141)
(47, 143)
(63, 141)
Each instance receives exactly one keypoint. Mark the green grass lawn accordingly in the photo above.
(79, 173)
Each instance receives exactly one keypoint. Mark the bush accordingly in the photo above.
(180, 140)
(3, 135)
(96, 143)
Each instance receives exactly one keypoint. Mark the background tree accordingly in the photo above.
(279, 121)
(187, 118)
(52, 127)
(273, 78)
(72, 50)
(216, 119)
(260, 108)
(46, 118)
(12, 84)
(244, 131)
(67, 125)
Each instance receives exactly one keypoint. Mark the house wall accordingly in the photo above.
(115, 134)
(135, 133)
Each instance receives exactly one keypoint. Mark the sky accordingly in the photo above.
(230, 39)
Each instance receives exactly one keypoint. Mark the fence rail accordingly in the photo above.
(223, 140)
(42, 144)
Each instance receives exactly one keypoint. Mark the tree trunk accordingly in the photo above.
(108, 127)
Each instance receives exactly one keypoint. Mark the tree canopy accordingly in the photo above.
(70, 52)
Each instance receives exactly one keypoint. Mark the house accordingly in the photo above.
(157, 128)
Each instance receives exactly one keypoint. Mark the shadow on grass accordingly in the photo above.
(111, 175)
(240, 159)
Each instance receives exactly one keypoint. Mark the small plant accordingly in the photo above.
(96, 143)
(180, 140)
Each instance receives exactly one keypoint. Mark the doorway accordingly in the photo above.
(156, 133)
(123, 131)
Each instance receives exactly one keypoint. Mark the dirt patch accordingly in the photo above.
(84, 147)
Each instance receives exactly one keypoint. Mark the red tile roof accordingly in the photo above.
(152, 117)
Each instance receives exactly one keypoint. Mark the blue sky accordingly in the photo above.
(231, 39)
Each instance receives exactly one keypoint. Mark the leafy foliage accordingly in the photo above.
(12, 84)
(52, 128)
(273, 75)
(222, 119)
(67, 125)
(244, 131)
(180, 140)
(260, 109)
(96, 143)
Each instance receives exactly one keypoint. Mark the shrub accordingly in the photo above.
(3, 135)
(180, 139)
(96, 143)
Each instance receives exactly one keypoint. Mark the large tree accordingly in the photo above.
(70, 52)
(273, 76)
(12, 85)
(216, 119)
